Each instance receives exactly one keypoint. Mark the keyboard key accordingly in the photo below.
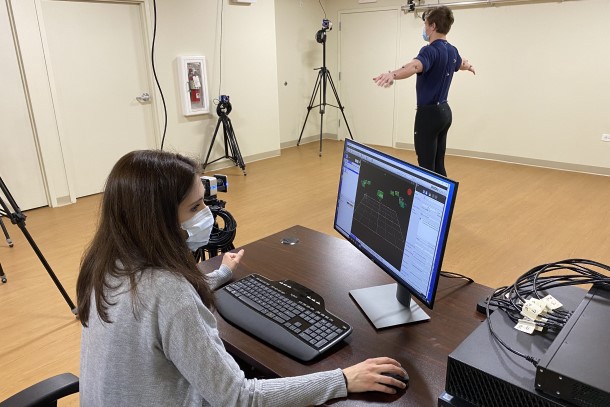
(321, 343)
(251, 303)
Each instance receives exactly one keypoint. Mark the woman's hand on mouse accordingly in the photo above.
(366, 376)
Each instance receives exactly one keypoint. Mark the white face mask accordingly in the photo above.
(199, 228)
(425, 36)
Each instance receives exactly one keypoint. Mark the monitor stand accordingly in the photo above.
(388, 305)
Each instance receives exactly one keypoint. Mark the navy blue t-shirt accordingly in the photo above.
(440, 60)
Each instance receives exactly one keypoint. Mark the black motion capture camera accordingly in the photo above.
(327, 25)
(224, 106)
(217, 183)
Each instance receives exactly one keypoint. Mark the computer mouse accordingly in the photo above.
(404, 379)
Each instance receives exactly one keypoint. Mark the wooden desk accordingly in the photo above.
(332, 267)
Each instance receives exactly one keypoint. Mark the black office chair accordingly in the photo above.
(45, 393)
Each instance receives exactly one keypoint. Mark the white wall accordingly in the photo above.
(187, 27)
(249, 72)
(298, 54)
(541, 89)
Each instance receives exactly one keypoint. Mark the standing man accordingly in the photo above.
(434, 66)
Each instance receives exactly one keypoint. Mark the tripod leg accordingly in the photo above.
(323, 72)
(19, 218)
(2, 275)
(341, 107)
(321, 124)
(205, 163)
(8, 238)
(226, 124)
(234, 147)
(46, 265)
(316, 87)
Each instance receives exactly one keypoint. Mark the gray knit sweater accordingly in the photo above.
(169, 354)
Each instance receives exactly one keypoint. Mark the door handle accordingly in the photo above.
(144, 97)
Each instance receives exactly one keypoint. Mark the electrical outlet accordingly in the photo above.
(605, 137)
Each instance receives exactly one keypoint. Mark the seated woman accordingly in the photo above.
(149, 337)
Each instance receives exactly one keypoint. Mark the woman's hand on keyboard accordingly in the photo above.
(232, 259)
(366, 376)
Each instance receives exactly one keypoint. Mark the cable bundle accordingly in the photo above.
(222, 237)
(525, 296)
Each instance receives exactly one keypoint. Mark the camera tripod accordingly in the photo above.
(323, 78)
(221, 238)
(223, 109)
(18, 218)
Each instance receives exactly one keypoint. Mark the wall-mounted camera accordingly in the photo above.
(410, 6)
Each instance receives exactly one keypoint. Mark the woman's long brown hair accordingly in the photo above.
(139, 229)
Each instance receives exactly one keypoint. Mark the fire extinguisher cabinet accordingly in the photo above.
(194, 85)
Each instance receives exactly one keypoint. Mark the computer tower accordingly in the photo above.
(481, 372)
(576, 367)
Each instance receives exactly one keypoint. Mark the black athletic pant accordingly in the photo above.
(431, 125)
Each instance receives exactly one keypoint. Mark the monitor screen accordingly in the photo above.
(397, 214)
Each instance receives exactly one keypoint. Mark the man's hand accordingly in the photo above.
(385, 79)
(467, 66)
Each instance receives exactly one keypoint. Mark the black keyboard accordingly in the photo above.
(282, 313)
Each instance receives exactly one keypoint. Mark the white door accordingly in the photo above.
(97, 60)
(19, 165)
(368, 46)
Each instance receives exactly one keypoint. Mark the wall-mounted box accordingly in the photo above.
(192, 74)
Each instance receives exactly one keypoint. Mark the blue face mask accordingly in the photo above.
(199, 228)
(425, 36)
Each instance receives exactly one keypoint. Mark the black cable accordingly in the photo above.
(152, 60)
(320, 1)
(450, 274)
(511, 299)
(529, 358)
(222, 237)
(222, 8)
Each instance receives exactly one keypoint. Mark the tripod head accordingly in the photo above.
(224, 106)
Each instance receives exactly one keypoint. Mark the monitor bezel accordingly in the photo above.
(451, 197)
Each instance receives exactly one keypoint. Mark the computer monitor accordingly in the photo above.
(398, 215)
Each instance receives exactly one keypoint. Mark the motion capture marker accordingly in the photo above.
(290, 240)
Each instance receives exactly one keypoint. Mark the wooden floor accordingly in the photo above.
(508, 219)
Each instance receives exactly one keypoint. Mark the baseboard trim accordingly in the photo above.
(310, 139)
(227, 163)
(63, 200)
(532, 162)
